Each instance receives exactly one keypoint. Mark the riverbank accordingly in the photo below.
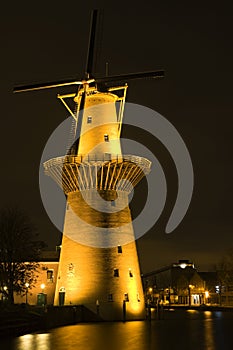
(202, 307)
(22, 319)
(17, 320)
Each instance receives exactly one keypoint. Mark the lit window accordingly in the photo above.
(110, 297)
(106, 137)
(89, 120)
(50, 275)
(119, 249)
(126, 297)
(116, 273)
(130, 273)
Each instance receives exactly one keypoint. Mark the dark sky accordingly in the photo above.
(193, 43)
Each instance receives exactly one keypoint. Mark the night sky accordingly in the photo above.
(47, 41)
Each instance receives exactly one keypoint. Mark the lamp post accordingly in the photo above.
(189, 291)
(151, 294)
(43, 300)
(3, 295)
(26, 285)
(207, 294)
(97, 307)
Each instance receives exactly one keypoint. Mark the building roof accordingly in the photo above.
(49, 255)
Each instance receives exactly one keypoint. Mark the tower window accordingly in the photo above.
(126, 297)
(107, 156)
(116, 273)
(138, 297)
(119, 249)
(110, 297)
(113, 203)
(89, 120)
(106, 137)
(130, 273)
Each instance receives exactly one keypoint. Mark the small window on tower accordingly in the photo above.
(116, 273)
(126, 297)
(89, 120)
(113, 204)
(130, 273)
(106, 137)
(110, 297)
(119, 249)
(138, 297)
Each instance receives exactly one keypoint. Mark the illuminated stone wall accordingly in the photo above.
(102, 111)
(87, 273)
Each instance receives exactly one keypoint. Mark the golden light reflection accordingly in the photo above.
(192, 311)
(26, 342)
(208, 331)
(34, 342)
(207, 313)
(43, 341)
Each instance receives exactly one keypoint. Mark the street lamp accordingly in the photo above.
(189, 290)
(43, 296)
(3, 295)
(26, 285)
(207, 294)
(42, 286)
(97, 307)
(150, 294)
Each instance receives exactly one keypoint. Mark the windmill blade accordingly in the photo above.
(126, 77)
(46, 85)
(91, 46)
(74, 148)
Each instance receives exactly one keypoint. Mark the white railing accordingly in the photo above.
(96, 158)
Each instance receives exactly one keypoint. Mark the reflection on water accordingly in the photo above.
(34, 341)
(209, 331)
(178, 329)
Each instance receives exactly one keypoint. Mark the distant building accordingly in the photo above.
(181, 283)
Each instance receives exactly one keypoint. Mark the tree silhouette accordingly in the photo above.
(19, 252)
(225, 268)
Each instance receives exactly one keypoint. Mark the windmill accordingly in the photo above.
(98, 262)
(89, 83)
